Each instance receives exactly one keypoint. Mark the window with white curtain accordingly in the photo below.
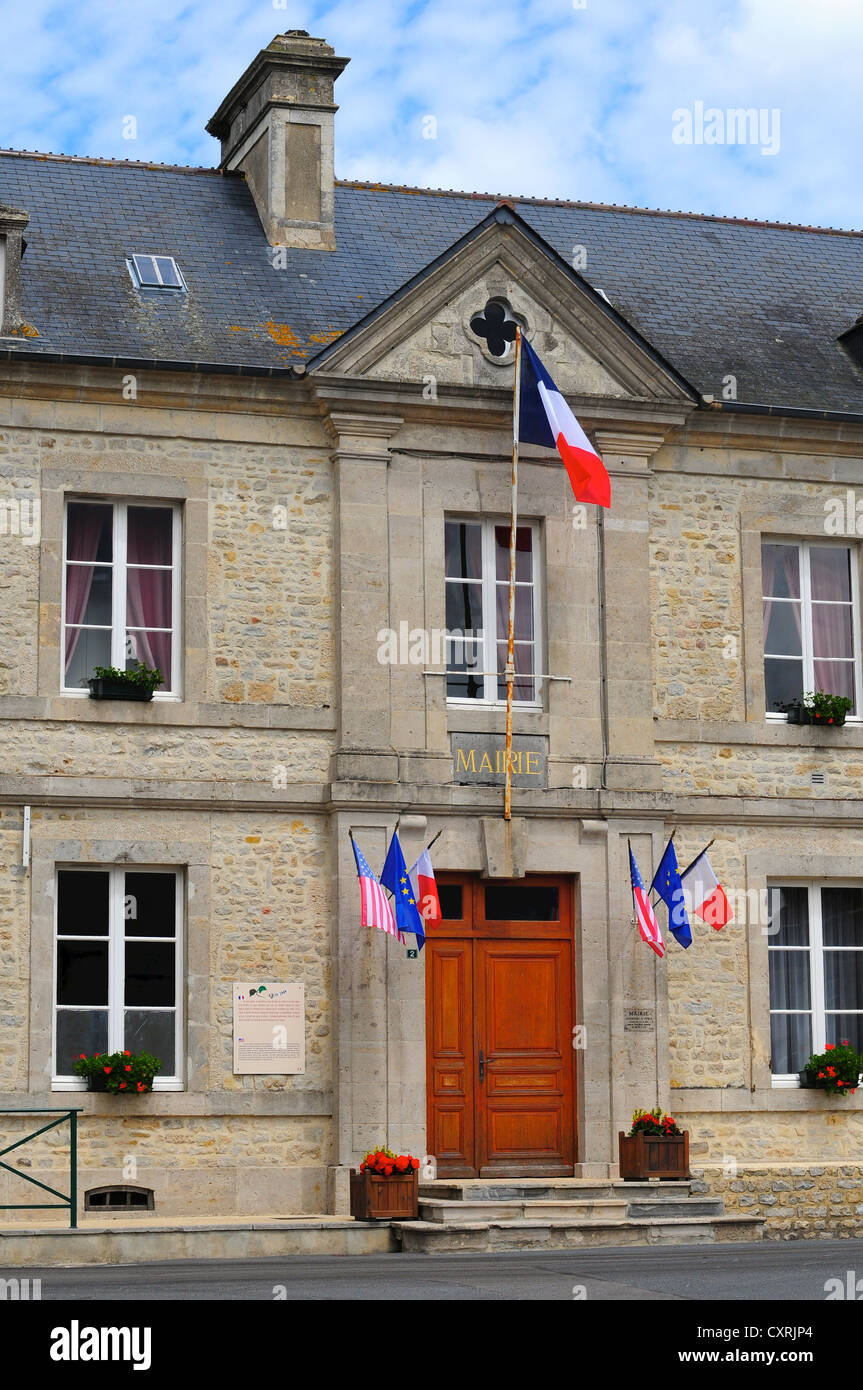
(811, 621)
(477, 612)
(121, 590)
(815, 955)
(118, 967)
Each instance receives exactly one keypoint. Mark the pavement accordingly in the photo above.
(793, 1271)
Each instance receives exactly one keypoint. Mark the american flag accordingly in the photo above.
(644, 914)
(376, 910)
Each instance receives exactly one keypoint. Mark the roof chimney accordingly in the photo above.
(276, 124)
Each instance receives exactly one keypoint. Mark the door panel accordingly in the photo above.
(523, 1011)
(450, 1074)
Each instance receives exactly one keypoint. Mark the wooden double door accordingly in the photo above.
(499, 1028)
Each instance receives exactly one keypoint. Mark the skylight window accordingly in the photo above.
(156, 273)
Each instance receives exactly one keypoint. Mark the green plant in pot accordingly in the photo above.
(119, 1073)
(136, 683)
(827, 709)
(816, 707)
(836, 1070)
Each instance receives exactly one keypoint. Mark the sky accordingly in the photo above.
(606, 101)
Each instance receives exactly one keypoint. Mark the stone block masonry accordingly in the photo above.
(798, 1202)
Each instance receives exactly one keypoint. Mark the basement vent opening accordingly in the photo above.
(119, 1198)
(155, 273)
(819, 779)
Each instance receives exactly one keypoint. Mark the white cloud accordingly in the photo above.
(538, 98)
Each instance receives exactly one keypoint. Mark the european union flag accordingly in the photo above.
(667, 883)
(394, 876)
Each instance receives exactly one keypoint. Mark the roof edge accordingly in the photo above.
(515, 198)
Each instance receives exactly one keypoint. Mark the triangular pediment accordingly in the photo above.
(424, 331)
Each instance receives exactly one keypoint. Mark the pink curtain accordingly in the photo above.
(82, 540)
(148, 606)
(830, 630)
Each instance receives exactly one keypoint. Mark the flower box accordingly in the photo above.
(378, 1198)
(117, 690)
(653, 1156)
(797, 714)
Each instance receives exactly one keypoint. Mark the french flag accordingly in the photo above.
(425, 889)
(705, 893)
(546, 419)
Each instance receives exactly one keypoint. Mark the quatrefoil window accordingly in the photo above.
(495, 326)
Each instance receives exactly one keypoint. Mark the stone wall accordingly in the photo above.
(797, 1201)
(268, 535)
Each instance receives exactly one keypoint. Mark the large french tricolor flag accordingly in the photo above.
(546, 419)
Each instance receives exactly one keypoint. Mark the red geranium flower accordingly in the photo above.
(415, 1163)
(401, 1163)
(127, 1053)
(829, 1047)
(82, 1056)
(141, 1086)
(831, 1071)
(362, 1167)
(122, 1086)
(128, 1068)
(107, 1069)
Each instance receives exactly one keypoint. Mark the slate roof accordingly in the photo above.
(714, 296)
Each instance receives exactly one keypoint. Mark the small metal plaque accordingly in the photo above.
(412, 955)
(639, 1020)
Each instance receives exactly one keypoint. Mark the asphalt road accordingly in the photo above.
(788, 1270)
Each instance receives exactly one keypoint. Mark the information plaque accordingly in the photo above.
(269, 1029)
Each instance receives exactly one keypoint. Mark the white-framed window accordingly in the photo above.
(121, 590)
(118, 968)
(477, 612)
(811, 616)
(815, 957)
(155, 273)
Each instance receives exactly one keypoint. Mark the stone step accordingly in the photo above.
(439, 1209)
(552, 1189)
(645, 1209)
(434, 1237)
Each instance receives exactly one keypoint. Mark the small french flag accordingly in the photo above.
(546, 419)
(425, 889)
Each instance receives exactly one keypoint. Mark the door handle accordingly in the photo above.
(481, 1065)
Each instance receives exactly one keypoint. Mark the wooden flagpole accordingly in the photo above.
(510, 664)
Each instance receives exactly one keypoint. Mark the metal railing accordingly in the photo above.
(72, 1200)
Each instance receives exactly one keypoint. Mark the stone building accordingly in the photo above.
(254, 429)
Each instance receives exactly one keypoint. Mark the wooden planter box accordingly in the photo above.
(375, 1198)
(116, 690)
(653, 1156)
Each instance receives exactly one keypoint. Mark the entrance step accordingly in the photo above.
(459, 1213)
(434, 1237)
(557, 1213)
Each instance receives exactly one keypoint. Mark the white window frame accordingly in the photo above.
(118, 589)
(154, 256)
(490, 699)
(116, 939)
(803, 548)
(815, 951)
